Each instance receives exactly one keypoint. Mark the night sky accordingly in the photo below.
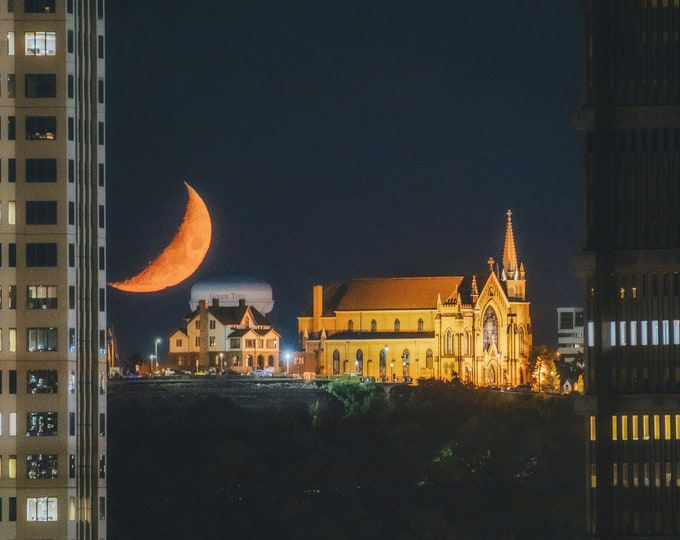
(333, 140)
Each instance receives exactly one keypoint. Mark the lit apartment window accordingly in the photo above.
(41, 297)
(72, 508)
(593, 428)
(655, 332)
(41, 381)
(667, 427)
(41, 128)
(39, 6)
(614, 430)
(41, 509)
(41, 424)
(41, 466)
(40, 43)
(645, 427)
(622, 333)
(643, 333)
(633, 333)
(71, 339)
(12, 466)
(12, 424)
(665, 333)
(41, 339)
(11, 212)
(10, 44)
(72, 382)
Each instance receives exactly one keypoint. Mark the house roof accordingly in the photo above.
(366, 336)
(233, 315)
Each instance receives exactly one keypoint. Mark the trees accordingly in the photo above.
(542, 366)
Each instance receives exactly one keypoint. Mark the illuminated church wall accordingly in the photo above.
(421, 327)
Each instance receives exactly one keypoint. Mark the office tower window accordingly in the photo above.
(70, 86)
(12, 424)
(71, 171)
(100, 9)
(12, 296)
(12, 381)
(102, 299)
(12, 341)
(40, 43)
(102, 221)
(41, 339)
(71, 255)
(39, 466)
(12, 466)
(40, 85)
(41, 297)
(102, 342)
(100, 46)
(11, 85)
(41, 128)
(100, 90)
(102, 258)
(11, 170)
(102, 425)
(101, 174)
(10, 43)
(72, 339)
(72, 424)
(69, 41)
(41, 255)
(41, 509)
(71, 128)
(71, 297)
(11, 128)
(41, 424)
(102, 507)
(41, 212)
(566, 320)
(69, 6)
(10, 6)
(41, 381)
(72, 382)
(101, 132)
(41, 170)
(39, 6)
(102, 466)
(72, 466)
(12, 509)
(71, 213)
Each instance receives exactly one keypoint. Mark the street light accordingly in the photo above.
(158, 340)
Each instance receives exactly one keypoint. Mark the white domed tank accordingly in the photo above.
(230, 290)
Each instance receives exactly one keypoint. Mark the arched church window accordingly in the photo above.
(520, 338)
(350, 325)
(374, 326)
(359, 362)
(428, 359)
(449, 342)
(336, 362)
(406, 363)
(421, 325)
(490, 328)
(397, 325)
(467, 342)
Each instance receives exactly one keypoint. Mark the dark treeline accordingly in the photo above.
(438, 461)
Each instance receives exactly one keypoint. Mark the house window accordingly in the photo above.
(197, 325)
(178, 343)
(41, 466)
(235, 343)
(41, 424)
(41, 85)
(41, 170)
(39, 6)
(41, 381)
(41, 128)
(41, 212)
(250, 343)
(40, 43)
(41, 509)
(213, 341)
(212, 325)
(41, 339)
(197, 342)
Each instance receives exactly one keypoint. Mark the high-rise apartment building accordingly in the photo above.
(631, 123)
(52, 270)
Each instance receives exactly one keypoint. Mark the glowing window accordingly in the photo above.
(41, 297)
(676, 332)
(667, 427)
(657, 427)
(614, 430)
(41, 381)
(41, 466)
(41, 424)
(12, 467)
(11, 212)
(655, 332)
(12, 424)
(643, 333)
(41, 509)
(665, 332)
(593, 428)
(593, 476)
(645, 427)
(612, 333)
(622, 333)
(10, 43)
(591, 334)
(633, 333)
(624, 428)
(41, 339)
(40, 43)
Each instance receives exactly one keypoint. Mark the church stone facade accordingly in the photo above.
(476, 327)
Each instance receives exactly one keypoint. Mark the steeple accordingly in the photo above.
(509, 251)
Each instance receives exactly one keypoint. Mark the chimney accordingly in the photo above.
(215, 302)
(241, 302)
(317, 307)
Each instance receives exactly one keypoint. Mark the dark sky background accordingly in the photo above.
(333, 140)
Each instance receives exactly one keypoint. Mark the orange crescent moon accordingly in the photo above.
(183, 255)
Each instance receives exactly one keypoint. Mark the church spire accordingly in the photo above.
(509, 251)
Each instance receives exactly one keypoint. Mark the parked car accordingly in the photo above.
(260, 373)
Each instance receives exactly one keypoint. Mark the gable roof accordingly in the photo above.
(233, 315)
(396, 293)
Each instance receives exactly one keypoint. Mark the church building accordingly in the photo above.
(475, 327)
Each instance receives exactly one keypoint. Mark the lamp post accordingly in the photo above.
(539, 361)
(155, 351)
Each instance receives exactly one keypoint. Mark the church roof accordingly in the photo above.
(396, 293)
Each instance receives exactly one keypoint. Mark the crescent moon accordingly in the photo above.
(183, 255)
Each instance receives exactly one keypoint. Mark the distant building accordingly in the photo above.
(477, 328)
(230, 290)
(237, 338)
(570, 334)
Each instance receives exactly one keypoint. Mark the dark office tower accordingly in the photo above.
(52, 285)
(631, 124)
